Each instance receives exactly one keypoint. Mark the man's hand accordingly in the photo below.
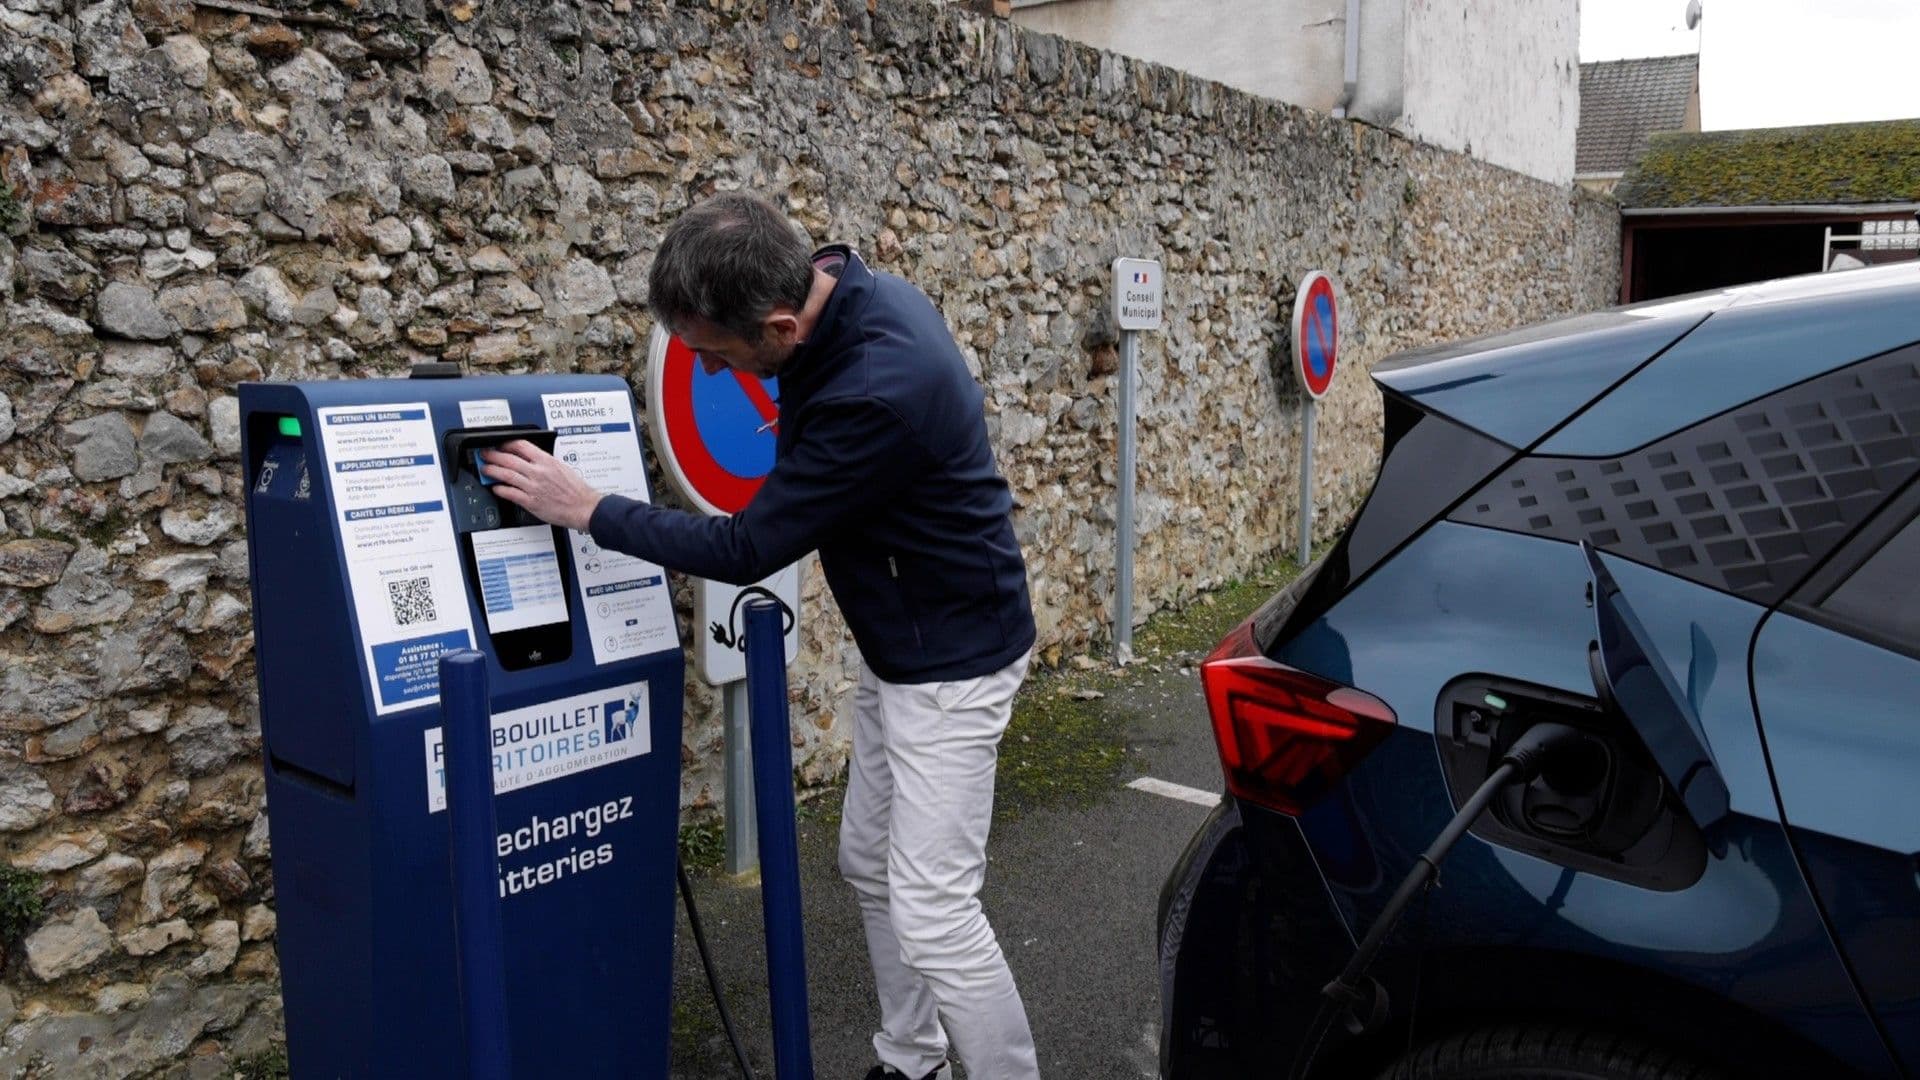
(541, 484)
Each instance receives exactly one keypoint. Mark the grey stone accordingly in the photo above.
(309, 77)
(222, 939)
(188, 58)
(7, 424)
(204, 741)
(137, 1041)
(66, 946)
(198, 528)
(33, 563)
(135, 361)
(240, 193)
(25, 799)
(182, 573)
(488, 127)
(492, 260)
(316, 307)
(266, 288)
(204, 307)
(169, 439)
(129, 310)
(71, 740)
(169, 874)
(126, 162)
(58, 273)
(223, 415)
(62, 851)
(581, 287)
(259, 923)
(237, 147)
(390, 236)
(103, 447)
(258, 844)
(457, 71)
(108, 877)
(147, 940)
(428, 178)
(119, 997)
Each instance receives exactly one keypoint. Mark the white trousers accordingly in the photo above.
(913, 844)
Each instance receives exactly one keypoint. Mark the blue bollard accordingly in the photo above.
(779, 843)
(466, 730)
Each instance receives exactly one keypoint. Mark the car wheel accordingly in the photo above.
(1545, 1052)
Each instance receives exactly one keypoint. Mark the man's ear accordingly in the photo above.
(783, 326)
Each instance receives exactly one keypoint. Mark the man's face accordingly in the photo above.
(719, 349)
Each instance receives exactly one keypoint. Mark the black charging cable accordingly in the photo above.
(713, 977)
(1362, 1000)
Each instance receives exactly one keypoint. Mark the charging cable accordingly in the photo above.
(713, 977)
(1363, 1001)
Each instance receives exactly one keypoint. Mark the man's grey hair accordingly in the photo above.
(729, 261)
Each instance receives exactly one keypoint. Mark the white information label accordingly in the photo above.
(489, 412)
(519, 577)
(383, 468)
(720, 616)
(625, 600)
(559, 738)
(1137, 293)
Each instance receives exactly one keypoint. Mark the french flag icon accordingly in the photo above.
(1139, 277)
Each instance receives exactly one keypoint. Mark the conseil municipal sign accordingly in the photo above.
(1138, 294)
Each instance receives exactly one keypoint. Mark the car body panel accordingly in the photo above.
(1461, 599)
(1842, 723)
(1763, 341)
(1516, 387)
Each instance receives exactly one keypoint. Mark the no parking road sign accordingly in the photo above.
(1316, 333)
(714, 433)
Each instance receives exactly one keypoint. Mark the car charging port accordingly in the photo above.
(1599, 806)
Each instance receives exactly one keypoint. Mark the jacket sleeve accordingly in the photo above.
(851, 455)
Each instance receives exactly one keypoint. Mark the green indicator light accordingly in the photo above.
(290, 425)
(1496, 703)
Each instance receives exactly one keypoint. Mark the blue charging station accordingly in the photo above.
(375, 550)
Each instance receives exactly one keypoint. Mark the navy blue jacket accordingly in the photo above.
(883, 464)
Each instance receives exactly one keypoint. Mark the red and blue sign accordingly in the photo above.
(714, 433)
(1316, 333)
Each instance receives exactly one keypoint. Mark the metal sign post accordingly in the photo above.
(1138, 296)
(716, 435)
(1316, 353)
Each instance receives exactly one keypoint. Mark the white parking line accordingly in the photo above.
(1175, 791)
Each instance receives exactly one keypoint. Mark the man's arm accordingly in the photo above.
(853, 455)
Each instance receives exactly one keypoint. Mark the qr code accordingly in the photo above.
(412, 600)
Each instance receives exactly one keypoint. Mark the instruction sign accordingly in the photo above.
(628, 610)
(720, 622)
(559, 738)
(383, 469)
(1138, 294)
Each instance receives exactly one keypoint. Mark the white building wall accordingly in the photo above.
(1289, 50)
(1499, 79)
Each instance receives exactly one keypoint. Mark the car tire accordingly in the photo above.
(1545, 1052)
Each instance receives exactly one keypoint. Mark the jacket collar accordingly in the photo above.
(838, 325)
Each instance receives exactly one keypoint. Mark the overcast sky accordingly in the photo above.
(1775, 63)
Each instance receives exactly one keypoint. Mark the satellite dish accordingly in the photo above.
(1693, 13)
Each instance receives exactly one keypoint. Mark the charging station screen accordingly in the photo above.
(519, 578)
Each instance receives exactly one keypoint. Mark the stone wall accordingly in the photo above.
(197, 196)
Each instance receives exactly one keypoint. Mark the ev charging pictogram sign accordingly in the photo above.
(1316, 333)
(715, 435)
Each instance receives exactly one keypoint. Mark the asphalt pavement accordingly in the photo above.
(1071, 890)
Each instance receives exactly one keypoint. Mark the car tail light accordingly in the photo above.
(1285, 736)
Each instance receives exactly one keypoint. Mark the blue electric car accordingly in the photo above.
(1687, 535)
